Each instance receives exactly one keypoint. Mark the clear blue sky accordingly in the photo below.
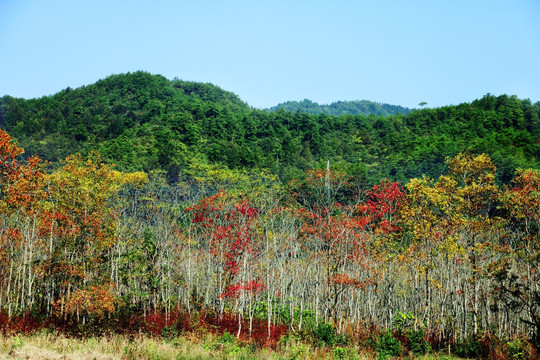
(399, 52)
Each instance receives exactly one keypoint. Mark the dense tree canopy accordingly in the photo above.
(140, 121)
(357, 107)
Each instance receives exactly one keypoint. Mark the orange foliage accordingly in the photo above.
(8, 154)
(523, 200)
(96, 300)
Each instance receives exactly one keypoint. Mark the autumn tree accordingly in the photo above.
(227, 226)
(452, 217)
(23, 191)
(80, 230)
(518, 282)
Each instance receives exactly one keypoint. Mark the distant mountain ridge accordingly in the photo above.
(356, 107)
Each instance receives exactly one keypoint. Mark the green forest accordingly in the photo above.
(140, 205)
(144, 122)
(358, 107)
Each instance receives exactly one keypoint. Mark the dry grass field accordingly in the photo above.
(50, 346)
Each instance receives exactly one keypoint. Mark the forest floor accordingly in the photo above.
(47, 345)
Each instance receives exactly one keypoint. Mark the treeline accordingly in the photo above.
(143, 122)
(445, 262)
(357, 107)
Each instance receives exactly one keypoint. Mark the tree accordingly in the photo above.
(22, 191)
(452, 217)
(517, 272)
(80, 227)
(228, 225)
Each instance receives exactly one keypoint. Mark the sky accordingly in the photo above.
(398, 52)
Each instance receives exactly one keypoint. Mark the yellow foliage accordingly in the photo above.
(443, 215)
(136, 179)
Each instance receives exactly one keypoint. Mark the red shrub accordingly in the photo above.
(18, 324)
(154, 324)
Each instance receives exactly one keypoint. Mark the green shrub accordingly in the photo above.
(469, 348)
(518, 349)
(402, 321)
(340, 353)
(417, 344)
(325, 333)
(168, 333)
(227, 338)
(388, 345)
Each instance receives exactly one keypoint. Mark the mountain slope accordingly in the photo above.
(140, 121)
(89, 117)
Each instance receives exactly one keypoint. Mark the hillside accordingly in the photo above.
(205, 243)
(140, 121)
(358, 107)
(128, 117)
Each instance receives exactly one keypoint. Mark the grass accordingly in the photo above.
(46, 345)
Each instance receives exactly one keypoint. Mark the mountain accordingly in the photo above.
(134, 110)
(139, 121)
(358, 107)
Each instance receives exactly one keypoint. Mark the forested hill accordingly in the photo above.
(358, 107)
(140, 121)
